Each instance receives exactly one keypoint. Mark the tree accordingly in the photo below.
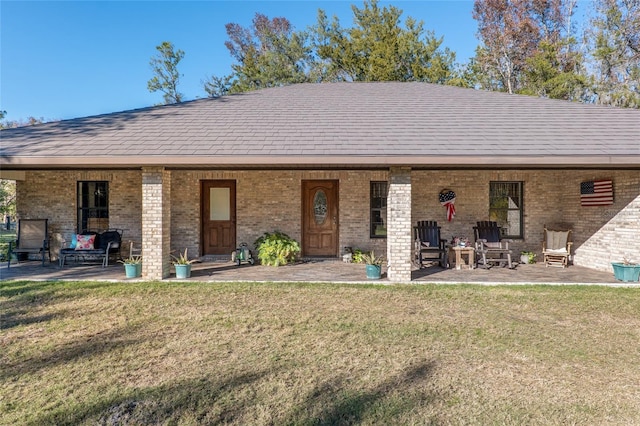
(165, 68)
(552, 73)
(7, 198)
(467, 75)
(556, 70)
(217, 86)
(377, 48)
(268, 54)
(11, 124)
(527, 47)
(508, 36)
(614, 39)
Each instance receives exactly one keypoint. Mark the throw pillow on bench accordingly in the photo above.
(84, 242)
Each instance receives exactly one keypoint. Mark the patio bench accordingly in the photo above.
(94, 245)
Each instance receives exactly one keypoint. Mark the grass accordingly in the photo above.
(314, 354)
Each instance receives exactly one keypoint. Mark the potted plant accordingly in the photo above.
(276, 248)
(626, 270)
(527, 257)
(357, 256)
(182, 265)
(132, 266)
(373, 265)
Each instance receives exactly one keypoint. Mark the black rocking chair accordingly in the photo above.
(428, 244)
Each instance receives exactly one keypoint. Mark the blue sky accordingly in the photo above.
(62, 60)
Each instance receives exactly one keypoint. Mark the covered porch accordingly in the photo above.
(413, 140)
(160, 211)
(332, 271)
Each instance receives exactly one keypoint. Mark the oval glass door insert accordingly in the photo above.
(320, 207)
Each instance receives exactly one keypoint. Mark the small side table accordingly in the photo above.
(469, 252)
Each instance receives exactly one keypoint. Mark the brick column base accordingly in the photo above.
(156, 220)
(399, 228)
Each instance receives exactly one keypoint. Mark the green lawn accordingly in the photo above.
(317, 354)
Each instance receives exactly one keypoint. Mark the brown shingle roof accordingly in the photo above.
(367, 124)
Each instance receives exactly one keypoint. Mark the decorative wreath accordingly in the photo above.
(447, 198)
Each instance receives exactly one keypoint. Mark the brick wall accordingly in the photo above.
(269, 200)
(551, 197)
(606, 234)
(52, 195)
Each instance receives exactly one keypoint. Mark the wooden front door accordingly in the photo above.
(320, 217)
(218, 216)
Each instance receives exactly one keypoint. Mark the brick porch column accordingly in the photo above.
(156, 220)
(399, 227)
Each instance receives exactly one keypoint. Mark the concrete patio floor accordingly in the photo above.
(325, 270)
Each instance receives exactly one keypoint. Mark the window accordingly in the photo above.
(93, 206)
(505, 207)
(378, 203)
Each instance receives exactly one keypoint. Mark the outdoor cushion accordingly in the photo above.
(85, 242)
(557, 240)
(92, 244)
(558, 251)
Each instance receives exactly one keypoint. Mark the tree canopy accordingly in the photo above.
(269, 53)
(526, 47)
(378, 48)
(10, 124)
(614, 41)
(530, 47)
(166, 75)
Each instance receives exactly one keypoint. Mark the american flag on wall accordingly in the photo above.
(596, 193)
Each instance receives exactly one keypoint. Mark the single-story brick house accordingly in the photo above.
(335, 165)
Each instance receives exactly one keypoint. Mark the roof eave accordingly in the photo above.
(33, 162)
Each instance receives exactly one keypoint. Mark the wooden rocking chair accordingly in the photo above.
(556, 247)
(490, 247)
